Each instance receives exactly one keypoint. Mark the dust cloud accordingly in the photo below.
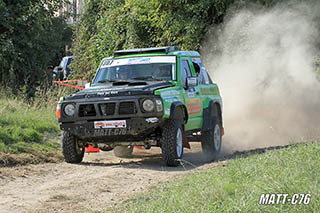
(263, 62)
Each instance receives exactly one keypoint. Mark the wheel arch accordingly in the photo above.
(179, 111)
(214, 109)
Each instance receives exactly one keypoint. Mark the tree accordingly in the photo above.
(31, 38)
(123, 24)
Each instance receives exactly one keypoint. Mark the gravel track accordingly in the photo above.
(101, 181)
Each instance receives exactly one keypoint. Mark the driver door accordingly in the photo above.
(191, 97)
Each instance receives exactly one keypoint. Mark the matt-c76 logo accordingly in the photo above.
(267, 199)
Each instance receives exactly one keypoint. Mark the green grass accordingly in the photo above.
(237, 186)
(26, 128)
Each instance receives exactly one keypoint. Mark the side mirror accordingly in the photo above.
(192, 82)
(87, 85)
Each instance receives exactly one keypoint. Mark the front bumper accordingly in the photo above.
(137, 129)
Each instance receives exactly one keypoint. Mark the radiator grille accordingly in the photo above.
(126, 108)
(86, 110)
(107, 109)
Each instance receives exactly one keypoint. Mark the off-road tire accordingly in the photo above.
(123, 151)
(71, 151)
(208, 140)
(169, 142)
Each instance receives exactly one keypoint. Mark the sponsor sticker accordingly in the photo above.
(194, 105)
(170, 93)
(111, 92)
(110, 124)
(152, 120)
(191, 94)
(138, 60)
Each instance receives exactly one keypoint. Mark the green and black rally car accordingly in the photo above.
(149, 97)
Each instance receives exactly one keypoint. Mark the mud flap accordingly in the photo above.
(186, 143)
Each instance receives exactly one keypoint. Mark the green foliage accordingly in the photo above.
(123, 24)
(238, 184)
(31, 38)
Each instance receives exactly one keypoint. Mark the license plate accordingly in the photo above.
(109, 132)
(110, 124)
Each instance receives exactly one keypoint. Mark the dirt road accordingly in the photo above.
(100, 181)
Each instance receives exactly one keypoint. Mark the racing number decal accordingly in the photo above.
(194, 105)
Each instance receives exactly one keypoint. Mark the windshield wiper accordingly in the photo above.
(147, 78)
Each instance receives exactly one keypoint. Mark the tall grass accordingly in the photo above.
(29, 125)
(23, 125)
(237, 185)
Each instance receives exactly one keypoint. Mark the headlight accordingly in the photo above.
(148, 105)
(69, 109)
(159, 105)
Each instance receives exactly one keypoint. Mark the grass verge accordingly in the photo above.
(28, 134)
(237, 186)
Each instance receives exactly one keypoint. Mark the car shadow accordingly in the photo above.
(152, 162)
(149, 159)
(192, 159)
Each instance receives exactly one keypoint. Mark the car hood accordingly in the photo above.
(130, 89)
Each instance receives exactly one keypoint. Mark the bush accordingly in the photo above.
(31, 38)
(123, 24)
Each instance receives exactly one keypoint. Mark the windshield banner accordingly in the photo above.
(138, 60)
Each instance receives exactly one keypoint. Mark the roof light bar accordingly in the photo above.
(147, 50)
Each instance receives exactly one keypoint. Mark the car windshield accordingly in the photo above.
(156, 68)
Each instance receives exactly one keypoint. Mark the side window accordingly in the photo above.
(208, 79)
(197, 64)
(196, 67)
(185, 72)
(203, 77)
(69, 61)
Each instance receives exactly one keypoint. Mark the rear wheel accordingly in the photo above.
(71, 150)
(172, 142)
(211, 140)
(123, 151)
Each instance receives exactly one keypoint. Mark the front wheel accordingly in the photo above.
(211, 141)
(71, 150)
(172, 142)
